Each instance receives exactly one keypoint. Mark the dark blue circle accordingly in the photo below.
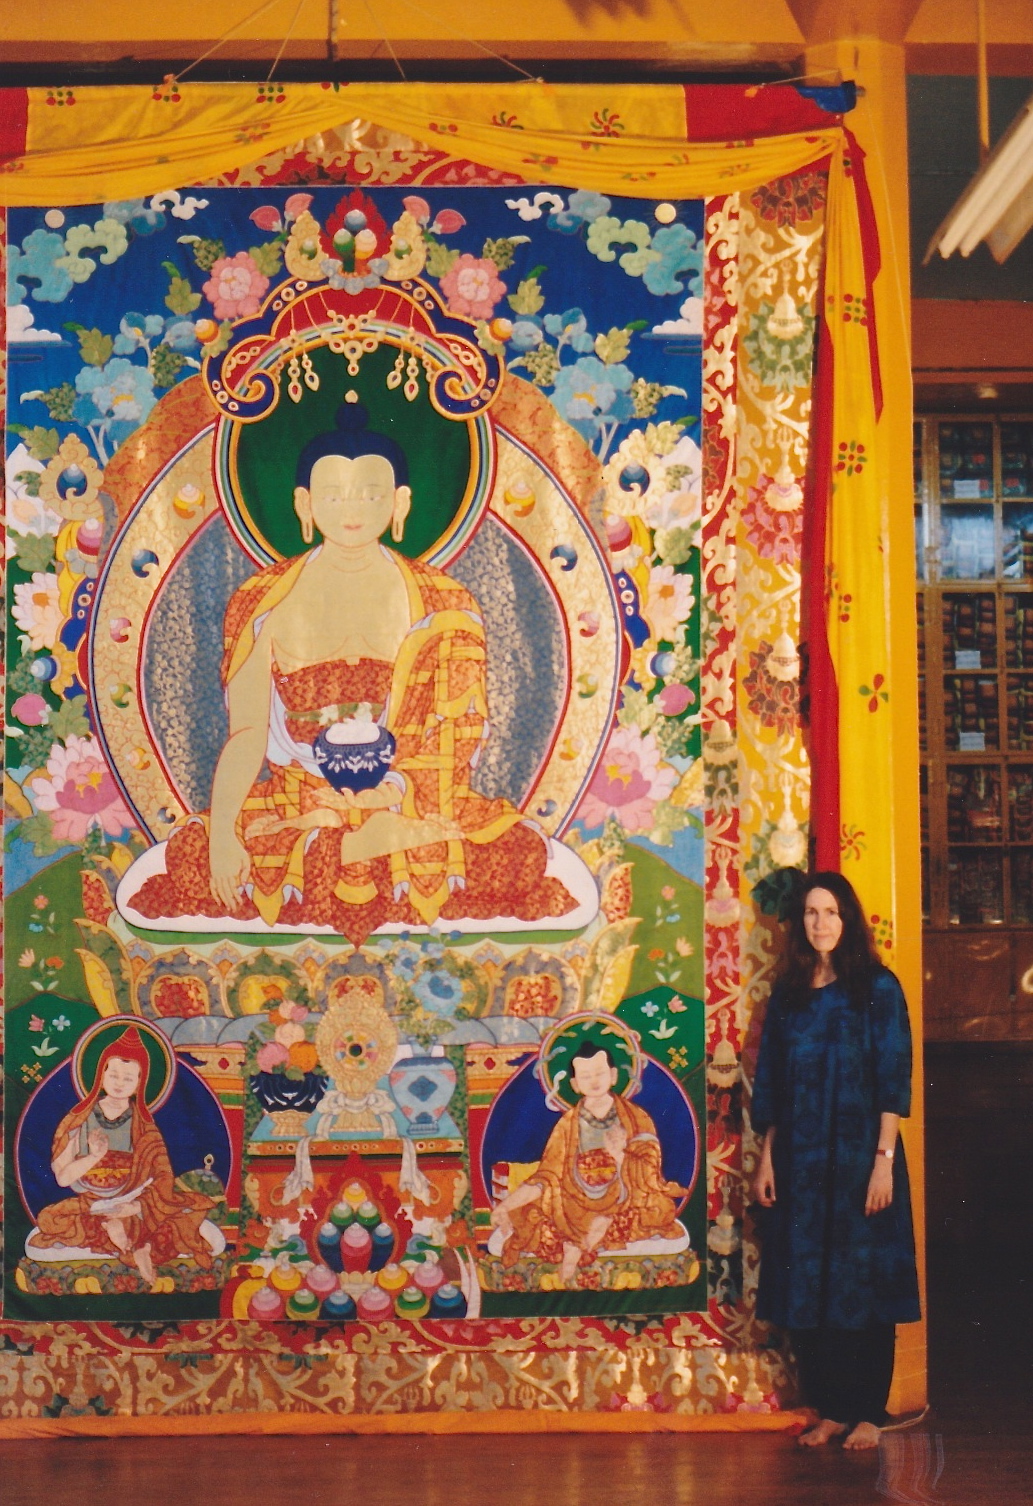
(520, 1122)
(191, 1124)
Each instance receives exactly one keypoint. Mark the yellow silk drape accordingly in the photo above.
(122, 142)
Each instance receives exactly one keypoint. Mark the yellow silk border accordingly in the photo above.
(123, 142)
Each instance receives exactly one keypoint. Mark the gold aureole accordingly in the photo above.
(540, 524)
(123, 603)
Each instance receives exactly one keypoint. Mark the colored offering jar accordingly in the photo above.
(374, 1305)
(339, 1307)
(412, 1303)
(354, 1194)
(302, 1304)
(428, 1277)
(383, 1246)
(356, 1248)
(341, 1215)
(265, 1305)
(328, 1243)
(448, 1302)
(393, 1279)
(321, 1280)
(284, 1277)
(368, 1215)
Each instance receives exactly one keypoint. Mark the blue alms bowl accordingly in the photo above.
(354, 766)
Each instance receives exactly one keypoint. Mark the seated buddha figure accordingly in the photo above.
(599, 1184)
(347, 648)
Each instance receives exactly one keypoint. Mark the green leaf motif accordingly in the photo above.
(95, 347)
(267, 258)
(42, 444)
(206, 252)
(502, 251)
(39, 830)
(181, 298)
(60, 401)
(440, 259)
(32, 749)
(166, 364)
(221, 342)
(613, 346)
(69, 720)
(34, 552)
(30, 480)
(528, 298)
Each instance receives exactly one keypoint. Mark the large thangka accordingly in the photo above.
(355, 860)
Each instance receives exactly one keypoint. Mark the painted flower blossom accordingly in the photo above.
(472, 286)
(79, 792)
(270, 1056)
(669, 601)
(590, 393)
(630, 781)
(676, 501)
(121, 390)
(236, 287)
(37, 609)
(30, 709)
(439, 991)
(773, 519)
(290, 1033)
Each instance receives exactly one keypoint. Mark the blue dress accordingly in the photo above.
(825, 1073)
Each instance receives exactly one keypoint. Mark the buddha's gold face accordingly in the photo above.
(352, 502)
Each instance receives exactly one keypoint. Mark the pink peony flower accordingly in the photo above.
(79, 792)
(630, 781)
(296, 205)
(236, 287)
(673, 699)
(472, 286)
(417, 207)
(31, 710)
(270, 1056)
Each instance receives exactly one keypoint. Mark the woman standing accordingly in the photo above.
(832, 1084)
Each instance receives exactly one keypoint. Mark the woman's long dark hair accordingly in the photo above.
(855, 960)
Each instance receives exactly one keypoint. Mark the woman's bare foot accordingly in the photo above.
(822, 1432)
(865, 1435)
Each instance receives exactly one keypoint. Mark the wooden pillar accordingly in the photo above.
(863, 40)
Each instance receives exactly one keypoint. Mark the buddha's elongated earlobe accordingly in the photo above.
(303, 509)
(397, 526)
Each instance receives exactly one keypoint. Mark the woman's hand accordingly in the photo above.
(762, 1184)
(229, 863)
(880, 1186)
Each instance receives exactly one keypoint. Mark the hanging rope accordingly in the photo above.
(387, 42)
(286, 39)
(472, 42)
(174, 78)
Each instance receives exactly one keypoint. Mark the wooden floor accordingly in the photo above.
(975, 1448)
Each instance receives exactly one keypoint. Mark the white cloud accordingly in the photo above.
(690, 323)
(180, 208)
(21, 328)
(533, 211)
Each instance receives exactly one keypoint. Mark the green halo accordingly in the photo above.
(91, 1047)
(447, 469)
(602, 1030)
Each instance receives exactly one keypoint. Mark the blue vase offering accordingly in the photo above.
(448, 1302)
(383, 1246)
(328, 1242)
(338, 1307)
(354, 754)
